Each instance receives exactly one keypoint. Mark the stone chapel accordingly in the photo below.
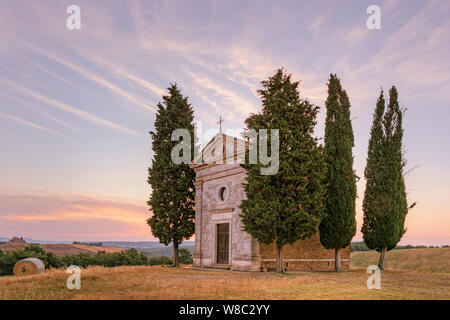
(220, 240)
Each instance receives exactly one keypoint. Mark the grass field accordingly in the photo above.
(170, 283)
(430, 260)
(188, 283)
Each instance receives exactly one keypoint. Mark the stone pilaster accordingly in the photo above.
(198, 224)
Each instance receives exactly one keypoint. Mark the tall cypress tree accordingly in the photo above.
(288, 205)
(384, 205)
(338, 226)
(173, 192)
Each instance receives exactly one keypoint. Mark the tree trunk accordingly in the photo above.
(337, 260)
(175, 254)
(382, 260)
(280, 264)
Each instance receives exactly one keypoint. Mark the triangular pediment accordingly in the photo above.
(221, 149)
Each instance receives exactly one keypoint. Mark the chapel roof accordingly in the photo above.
(222, 148)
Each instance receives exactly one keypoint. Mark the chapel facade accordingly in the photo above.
(220, 239)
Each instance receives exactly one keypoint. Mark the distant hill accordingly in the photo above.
(167, 251)
(62, 249)
(30, 240)
(144, 244)
(432, 260)
(121, 244)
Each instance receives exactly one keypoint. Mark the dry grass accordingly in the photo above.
(170, 283)
(430, 260)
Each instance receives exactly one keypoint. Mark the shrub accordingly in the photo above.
(358, 246)
(185, 256)
(130, 257)
(161, 260)
(9, 259)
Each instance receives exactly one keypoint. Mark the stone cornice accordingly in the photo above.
(219, 174)
(221, 210)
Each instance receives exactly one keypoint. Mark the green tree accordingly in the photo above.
(172, 199)
(338, 226)
(385, 205)
(288, 205)
(185, 256)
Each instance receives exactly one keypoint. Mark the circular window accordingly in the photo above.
(223, 194)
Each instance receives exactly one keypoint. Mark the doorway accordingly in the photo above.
(223, 243)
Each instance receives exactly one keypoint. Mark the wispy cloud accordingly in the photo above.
(28, 123)
(97, 79)
(416, 53)
(116, 70)
(65, 107)
(229, 97)
(38, 110)
(53, 74)
(317, 27)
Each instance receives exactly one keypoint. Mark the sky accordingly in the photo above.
(76, 105)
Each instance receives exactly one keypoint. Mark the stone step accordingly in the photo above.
(220, 266)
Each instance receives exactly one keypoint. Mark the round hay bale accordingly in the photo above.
(28, 266)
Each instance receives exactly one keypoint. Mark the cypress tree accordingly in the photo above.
(338, 226)
(288, 205)
(385, 205)
(173, 192)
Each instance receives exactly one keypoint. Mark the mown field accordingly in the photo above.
(158, 282)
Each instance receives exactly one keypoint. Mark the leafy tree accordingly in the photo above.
(338, 226)
(185, 256)
(288, 205)
(172, 199)
(385, 205)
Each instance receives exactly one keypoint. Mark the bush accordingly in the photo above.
(185, 256)
(130, 257)
(81, 259)
(9, 259)
(7, 263)
(358, 246)
(161, 260)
